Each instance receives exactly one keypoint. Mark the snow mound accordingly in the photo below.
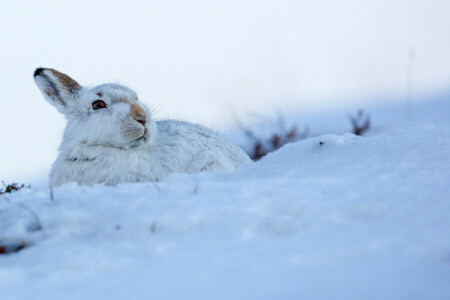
(335, 216)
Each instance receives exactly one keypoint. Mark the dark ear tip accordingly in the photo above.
(38, 71)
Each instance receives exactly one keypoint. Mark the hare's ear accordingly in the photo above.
(58, 88)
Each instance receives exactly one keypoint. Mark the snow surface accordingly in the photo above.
(349, 218)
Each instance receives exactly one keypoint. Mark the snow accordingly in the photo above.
(349, 218)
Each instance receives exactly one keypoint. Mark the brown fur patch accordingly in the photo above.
(67, 82)
(54, 96)
(137, 112)
(99, 94)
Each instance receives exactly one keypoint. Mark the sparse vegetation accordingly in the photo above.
(13, 187)
(259, 146)
(360, 122)
(7, 247)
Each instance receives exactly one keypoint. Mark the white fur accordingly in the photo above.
(109, 146)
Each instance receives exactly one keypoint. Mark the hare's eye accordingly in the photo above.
(98, 104)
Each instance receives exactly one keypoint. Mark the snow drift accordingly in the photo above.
(334, 216)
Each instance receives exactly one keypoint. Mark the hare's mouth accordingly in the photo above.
(139, 141)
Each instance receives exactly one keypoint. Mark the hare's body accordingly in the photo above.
(176, 147)
(111, 138)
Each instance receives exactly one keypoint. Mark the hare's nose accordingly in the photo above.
(138, 113)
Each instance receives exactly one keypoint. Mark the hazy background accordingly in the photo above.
(193, 60)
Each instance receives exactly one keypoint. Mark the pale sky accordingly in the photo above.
(194, 59)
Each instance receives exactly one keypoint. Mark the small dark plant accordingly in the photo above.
(259, 146)
(13, 187)
(360, 122)
(7, 247)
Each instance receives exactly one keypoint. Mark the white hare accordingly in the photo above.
(112, 138)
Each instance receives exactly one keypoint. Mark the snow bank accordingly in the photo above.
(335, 216)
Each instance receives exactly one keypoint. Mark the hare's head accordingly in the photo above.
(108, 115)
